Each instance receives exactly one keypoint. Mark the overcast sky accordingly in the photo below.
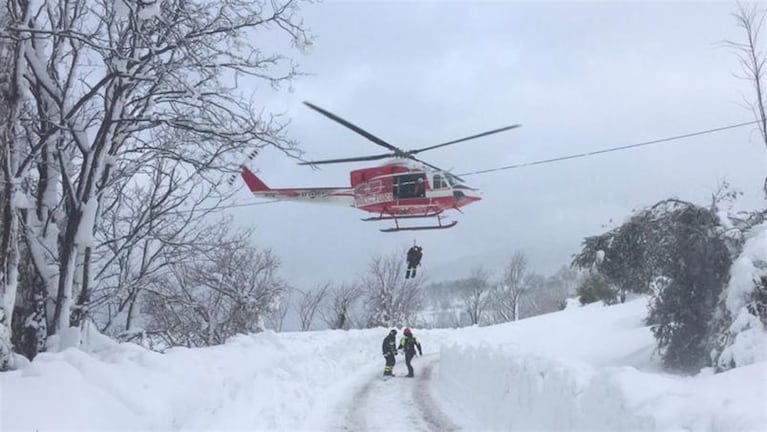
(577, 76)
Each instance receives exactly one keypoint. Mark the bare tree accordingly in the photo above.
(276, 319)
(341, 300)
(160, 91)
(143, 229)
(226, 290)
(541, 297)
(309, 303)
(390, 298)
(475, 294)
(514, 285)
(753, 62)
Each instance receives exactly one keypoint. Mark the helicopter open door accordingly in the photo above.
(409, 186)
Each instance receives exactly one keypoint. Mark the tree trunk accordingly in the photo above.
(29, 325)
(133, 297)
(9, 240)
(9, 262)
(516, 307)
(80, 310)
(68, 253)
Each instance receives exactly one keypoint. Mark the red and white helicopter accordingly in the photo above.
(403, 188)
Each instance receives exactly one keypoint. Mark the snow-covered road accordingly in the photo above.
(399, 403)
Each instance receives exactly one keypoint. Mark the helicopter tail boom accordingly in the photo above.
(323, 195)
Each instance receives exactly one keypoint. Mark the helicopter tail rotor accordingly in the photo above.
(252, 155)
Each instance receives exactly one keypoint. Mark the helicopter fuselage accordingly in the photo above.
(392, 189)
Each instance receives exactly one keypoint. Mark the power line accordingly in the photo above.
(228, 206)
(612, 149)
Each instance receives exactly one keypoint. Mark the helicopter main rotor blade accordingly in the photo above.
(351, 159)
(355, 128)
(494, 131)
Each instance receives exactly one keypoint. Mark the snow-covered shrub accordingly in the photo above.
(681, 311)
(739, 331)
(675, 251)
(595, 287)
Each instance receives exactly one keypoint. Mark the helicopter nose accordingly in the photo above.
(466, 196)
(474, 195)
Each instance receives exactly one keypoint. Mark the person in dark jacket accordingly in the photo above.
(409, 343)
(414, 255)
(389, 348)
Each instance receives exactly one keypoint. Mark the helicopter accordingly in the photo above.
(402, 188)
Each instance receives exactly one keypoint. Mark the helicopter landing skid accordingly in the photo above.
(415, 216)
(419, 228)
(438, 215)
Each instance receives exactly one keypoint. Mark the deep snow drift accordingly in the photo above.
(588, 368)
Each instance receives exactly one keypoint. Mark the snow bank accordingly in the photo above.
(594, 333)
(259, 382)
(509, 390)
(504, 389)
(590, 369)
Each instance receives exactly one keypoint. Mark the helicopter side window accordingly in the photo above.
(439, 182)
(409, 186)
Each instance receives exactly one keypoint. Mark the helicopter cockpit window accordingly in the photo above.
(409, 186)
(439, 182)
(454, 182)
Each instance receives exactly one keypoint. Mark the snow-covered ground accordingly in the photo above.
(588, 368)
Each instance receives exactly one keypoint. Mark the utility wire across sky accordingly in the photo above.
(612, 149)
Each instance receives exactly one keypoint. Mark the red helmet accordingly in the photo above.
(407, 331)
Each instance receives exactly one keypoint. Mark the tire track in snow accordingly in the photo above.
(433, 416)
(398, 404)
(356, 417)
